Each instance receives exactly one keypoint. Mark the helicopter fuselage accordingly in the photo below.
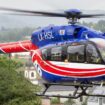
(75, 61)
(64, 53)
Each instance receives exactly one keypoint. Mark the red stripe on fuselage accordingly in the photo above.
(48, 67)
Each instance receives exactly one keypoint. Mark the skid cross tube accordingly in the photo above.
(80, 90)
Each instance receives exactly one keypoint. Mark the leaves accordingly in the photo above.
(16, 34)
(99, 26)
(15, 89)
(70, 102)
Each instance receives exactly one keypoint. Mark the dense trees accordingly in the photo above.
(70, 102)
(14, 89)
(99, 26)
(16, 34)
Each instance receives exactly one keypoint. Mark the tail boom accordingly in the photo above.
(14, 47)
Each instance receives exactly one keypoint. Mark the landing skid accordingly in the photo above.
(80, 90)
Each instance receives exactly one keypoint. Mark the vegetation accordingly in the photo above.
(55, 101)
(73, 102)
(85, 101)
(7, 35)
(14, 89)
(70, 102)
(100, 25)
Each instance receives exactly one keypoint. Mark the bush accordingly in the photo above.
(70, 102)
(15, 89)
(55, 101)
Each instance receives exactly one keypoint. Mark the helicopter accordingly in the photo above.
(68, 55)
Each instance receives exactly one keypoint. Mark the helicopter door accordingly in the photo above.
(92, 55)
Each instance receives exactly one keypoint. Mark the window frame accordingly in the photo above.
(42, 53)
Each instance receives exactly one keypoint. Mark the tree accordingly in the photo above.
(85, 102)
(14, 89)
(70, 102)
(99, 26)
(15, 34)
(55, 100)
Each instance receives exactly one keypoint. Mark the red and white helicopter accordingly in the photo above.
(69, 55)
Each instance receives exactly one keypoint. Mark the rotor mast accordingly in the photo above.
(72, 20)
(73, 15)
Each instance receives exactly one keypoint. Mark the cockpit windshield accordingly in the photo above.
(100, 43)
(92, 52)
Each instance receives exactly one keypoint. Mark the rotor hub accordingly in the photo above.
(73, 15)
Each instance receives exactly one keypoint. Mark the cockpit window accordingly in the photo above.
(75, 53)
(56, 54)
(92, 54)
(101, 47)
(44, 54)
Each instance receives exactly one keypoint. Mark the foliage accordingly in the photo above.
(5, 62)
(16, 34)
(70, 102)
(14, 89)
(100, 25)
(55, 101)
(85, 102)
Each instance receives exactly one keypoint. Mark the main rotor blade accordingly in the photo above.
(43, 13)
(67, 14)
(91, 15)
(26, 14)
